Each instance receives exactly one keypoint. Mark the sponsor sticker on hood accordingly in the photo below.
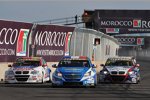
(23, 68)
(73, 70)
(117, 68)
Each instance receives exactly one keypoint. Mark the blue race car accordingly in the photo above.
(74, 71)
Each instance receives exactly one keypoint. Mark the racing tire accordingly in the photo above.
(49, 81)
(94, 86)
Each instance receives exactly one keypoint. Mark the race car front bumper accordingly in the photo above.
(60, 81)
(23, 79)
(117, 79)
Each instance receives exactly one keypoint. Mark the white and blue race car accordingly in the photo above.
(120, 70)
(28, 70)
(74, 71)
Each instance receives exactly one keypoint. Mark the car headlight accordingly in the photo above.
(10, 72)
(34, 72)
(87, 74)
(131, 72)
(105, 72)
(59, 74)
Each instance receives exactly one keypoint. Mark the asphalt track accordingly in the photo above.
(139, 91)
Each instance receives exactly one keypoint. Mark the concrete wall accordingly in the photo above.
(140, 54)
(82, 44)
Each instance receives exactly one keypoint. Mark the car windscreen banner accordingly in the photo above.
(51, 41)
(13, 40)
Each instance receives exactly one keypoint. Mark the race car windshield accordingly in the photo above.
(74, 63)
(118, 63)
(27, 63)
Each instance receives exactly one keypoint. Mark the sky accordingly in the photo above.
(40, 10)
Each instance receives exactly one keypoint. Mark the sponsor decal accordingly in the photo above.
(52, 39)
(127, 40)
(10, 36)
(137, 23)
(23, 69)
(67, 44)
(112, 30)
(7, 51)
(130, 40)
(50, 52)
(141, 24)
(124, 23)
(116, 23)
(52, 42)
(48, 38)
(13, 41)
(22, 42)
(140, 41)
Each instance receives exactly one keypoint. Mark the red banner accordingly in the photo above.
(13, 40)
(51, 41)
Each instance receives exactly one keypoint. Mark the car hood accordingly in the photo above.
(118, 68)
(73, 70)
(23, 68)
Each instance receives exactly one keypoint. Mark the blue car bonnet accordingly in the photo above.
(73, 70)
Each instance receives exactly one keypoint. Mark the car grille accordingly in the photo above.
(121, 72)
(118, 78)
(21, 77)
(72, 77)
(22, 72)
(25, 72)
(18, 72)
(73, 83)
(115, 72)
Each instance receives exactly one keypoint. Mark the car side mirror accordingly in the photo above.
(9, 65)
(54, 66)
(137, 65)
